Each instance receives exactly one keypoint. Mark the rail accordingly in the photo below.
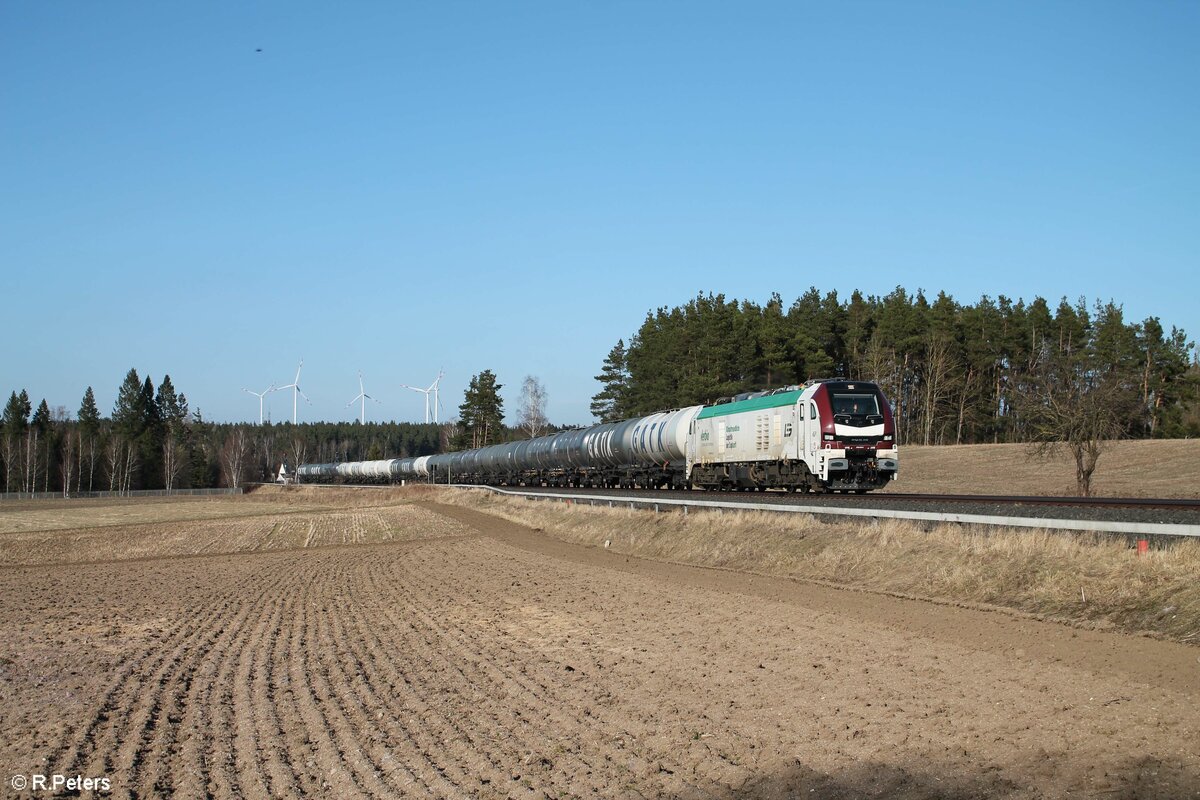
(1090, 525)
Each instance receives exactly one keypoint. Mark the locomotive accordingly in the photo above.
(823, 436)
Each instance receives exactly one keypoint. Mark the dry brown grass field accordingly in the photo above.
(1143, 468)
(402, 643)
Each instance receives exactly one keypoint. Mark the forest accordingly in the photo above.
(956, 373)
(992, 371)
(152, 441)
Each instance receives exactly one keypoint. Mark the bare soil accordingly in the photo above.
(469, 656)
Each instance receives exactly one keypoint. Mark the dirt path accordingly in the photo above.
(489, 661)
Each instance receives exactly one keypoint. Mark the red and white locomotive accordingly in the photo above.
(832, 435)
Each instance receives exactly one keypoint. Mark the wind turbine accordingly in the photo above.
(296, 392)
(363, 396)
(260, 396)
(432, 389)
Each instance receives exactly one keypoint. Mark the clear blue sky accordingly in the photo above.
(396, 188)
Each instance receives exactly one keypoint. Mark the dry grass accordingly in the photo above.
(1083, 579)
(1143, 468)
(64, 514)
(120, 529)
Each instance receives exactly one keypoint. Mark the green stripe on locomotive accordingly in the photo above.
(753, 404)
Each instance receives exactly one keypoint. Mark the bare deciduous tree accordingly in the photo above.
(1070, 405)
(939, 364)
(113, 452)
(533, 407)
(173, 462)
(32, 461)
(233, 457)
(11, 450)
(88, 451)
(263, 447)
(67, 462)
(132, 462)
(881, 365)
(298, 450)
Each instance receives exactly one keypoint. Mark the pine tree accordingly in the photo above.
(89, 414)
(89, 434)
(610, 403)
(129, 423)
(16, 420)
(127, 416)
(150, 441)
(481, 415)
(41, 446)
(41, 418)
(171, 411)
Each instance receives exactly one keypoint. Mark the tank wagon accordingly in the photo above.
(830, 435)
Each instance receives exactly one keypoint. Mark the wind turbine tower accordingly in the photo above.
(296, 391)
(260, 396)
(362, 396)
(431, 389)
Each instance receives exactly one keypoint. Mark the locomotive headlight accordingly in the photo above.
(829, 437)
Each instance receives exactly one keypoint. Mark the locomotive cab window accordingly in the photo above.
(855, 405)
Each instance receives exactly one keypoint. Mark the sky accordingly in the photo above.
(219, 190)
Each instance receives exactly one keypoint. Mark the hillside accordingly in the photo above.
(1136, 468)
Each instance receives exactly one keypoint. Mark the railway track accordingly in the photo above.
(1151, 511)
(1001, 500)
(1106, 509)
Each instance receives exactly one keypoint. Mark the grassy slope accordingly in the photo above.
(1149, 468)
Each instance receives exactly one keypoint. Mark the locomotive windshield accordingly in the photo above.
(852, 404)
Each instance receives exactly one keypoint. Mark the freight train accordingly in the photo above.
(824, 436)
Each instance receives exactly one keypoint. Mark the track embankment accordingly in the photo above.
(487, 660)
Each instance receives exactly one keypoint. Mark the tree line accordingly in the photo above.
(957, 373)
(152, 440)
(992, 371)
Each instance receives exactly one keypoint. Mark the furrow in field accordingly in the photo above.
(371, 714)
(156, 718)
(445, 754)
(551, 697)
(452, 701)
(343, 715)
(524, 713)
(259, 771)
(310, 692)
(191, 767)
(270, 735)
(95, 742)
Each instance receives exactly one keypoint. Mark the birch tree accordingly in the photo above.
(533, 407)
(233, 457)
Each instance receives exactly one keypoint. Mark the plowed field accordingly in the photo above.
(437, 652)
